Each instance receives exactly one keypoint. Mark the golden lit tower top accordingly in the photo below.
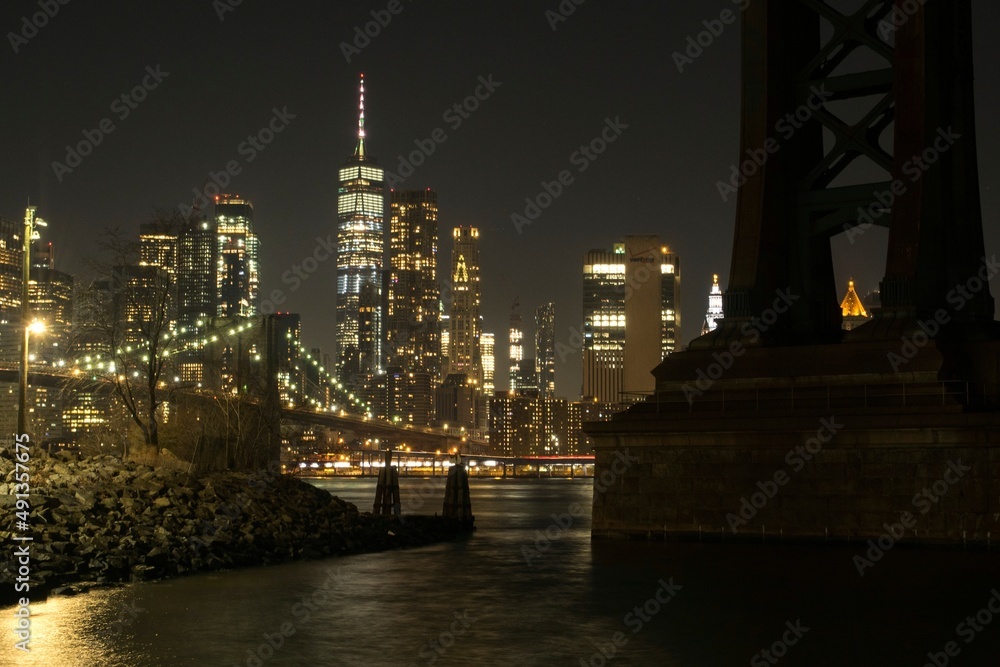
(851, 305)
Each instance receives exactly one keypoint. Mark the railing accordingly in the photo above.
(907, 395)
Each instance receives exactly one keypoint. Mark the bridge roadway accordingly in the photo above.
(397, 435)
(9, 372)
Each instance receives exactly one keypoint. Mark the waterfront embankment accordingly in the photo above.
(97, 521)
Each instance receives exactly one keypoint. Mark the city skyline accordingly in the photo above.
(480, 169)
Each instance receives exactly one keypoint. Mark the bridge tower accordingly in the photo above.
(862, 114)
(864, 118)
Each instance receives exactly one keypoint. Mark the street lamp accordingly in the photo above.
(29, 235)
(35, 327)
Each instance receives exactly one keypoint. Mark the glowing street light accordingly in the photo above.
(29, 235)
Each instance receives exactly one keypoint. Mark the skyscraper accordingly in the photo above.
(487, 347)
(10, 271)
(158, 247)
(50, 299)
(413, 295)
(545, 349)
(237, 274)
(140, 296)
(637, 282)
(714, 313)
(360, 245)
(287, 341)
(465, 323)
(50, 296)
(197, 260)
(515, 338)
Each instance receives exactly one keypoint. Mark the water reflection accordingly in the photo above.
(524, 590)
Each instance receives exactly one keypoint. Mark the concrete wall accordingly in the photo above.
(829, 482)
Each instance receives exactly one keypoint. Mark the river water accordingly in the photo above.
(510, 596)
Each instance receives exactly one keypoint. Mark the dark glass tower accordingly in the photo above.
(545, 349)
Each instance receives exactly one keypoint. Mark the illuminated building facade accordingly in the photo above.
(50, 296)
(528, 425)
(715, 312)
(581, 412)
(465, 322)
(410, 397)
(545, 349)
(445, 340)
(158, 247)
(142, 294)
(360, 245)
(237, 261)
(637, 282)
(287, 343)
(197, 259)
(516, 373)
(10, 271)
(487, 348)
(516, 424)
(413, 338)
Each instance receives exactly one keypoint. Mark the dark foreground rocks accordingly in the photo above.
(99, 521)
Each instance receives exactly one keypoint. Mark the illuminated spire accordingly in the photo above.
(359, 152)
(715, 312)
(851, 306)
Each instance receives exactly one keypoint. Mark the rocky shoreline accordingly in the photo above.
(99, 521)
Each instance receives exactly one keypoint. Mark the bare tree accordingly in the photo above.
(132, 302)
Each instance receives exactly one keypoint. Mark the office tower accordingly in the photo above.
(360, 245)
(287, 341)
(140, 296)
(197, 259)
(445, 340)
(545, 349)
(158, 246)
(457, 403)
(487, 347)
(515, 339)
(528, 424)
(637, 282)
(369, 326)
(237, 274)
(516, 424)
(715, 312)
(50, 297)
(410, 396)
(465, 322)
(10, 271)
(412, 292)
(581, 412)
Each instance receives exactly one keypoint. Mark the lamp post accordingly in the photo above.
(30, 234)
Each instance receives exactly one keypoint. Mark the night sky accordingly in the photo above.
(608, 60)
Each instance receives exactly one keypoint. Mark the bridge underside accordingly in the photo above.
(778, 424)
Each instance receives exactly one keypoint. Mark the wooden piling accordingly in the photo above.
(457, 500)
(387, 490)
